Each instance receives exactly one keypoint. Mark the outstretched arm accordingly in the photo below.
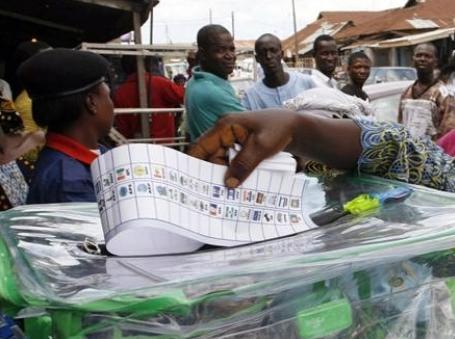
(262, 134)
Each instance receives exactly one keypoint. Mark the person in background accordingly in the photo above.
(277, 86)
(448, 74)
(376, 148)
(447, 143)
(5, 90)
(359, 65)
(74, 105)
(192, 60)
(326, 57)
(209, 95)
(426, 107)
(15, 170)
(162, 93)
(22, 102)
(180, 80)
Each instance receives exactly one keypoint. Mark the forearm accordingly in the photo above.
(391, 152)
(334, 142)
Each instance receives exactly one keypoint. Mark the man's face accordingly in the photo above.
(191, 59)
(424, 59)
(326, 57)
(269, 54)
(359, 71)
(219, 58)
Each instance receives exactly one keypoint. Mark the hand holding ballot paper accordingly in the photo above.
(333, 142)
(156, 200)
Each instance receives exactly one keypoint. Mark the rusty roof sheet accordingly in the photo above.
(419, 16)
(328, 23)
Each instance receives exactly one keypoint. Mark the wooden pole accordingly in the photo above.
(151, 25)
(296, 43)
(233, 25)
(143, 95)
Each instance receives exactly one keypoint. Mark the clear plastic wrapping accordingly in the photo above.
(385, 274)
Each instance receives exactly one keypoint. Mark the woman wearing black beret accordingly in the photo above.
(71, 99)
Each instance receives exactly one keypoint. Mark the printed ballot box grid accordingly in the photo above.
(154, 182)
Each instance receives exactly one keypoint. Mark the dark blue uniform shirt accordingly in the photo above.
(62, 173)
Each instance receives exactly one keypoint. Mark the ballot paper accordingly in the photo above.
(156, 200)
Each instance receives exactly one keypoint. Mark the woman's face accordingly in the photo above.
(104, 109)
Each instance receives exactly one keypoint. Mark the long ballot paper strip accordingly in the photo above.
(156, 200)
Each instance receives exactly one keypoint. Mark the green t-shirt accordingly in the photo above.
(208, 98)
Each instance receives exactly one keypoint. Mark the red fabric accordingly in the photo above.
(70, 147)
(447, 142)
(164, 94)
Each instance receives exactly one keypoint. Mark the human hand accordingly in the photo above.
(260, 134)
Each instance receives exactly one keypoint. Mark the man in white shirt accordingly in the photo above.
(277, 86)
(326, 58)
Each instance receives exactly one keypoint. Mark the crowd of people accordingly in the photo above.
(74, 106)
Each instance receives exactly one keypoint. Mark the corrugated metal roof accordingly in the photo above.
(306, 45)
(439, 12)
(362, 44)
(415, 39)
(66, 23)
(327, 23)
(423, 23)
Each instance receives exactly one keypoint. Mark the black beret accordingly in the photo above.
(28, 49)
(61, 72)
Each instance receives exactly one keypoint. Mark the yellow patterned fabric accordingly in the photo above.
(389, 151)
(23, 105)
(312, 167)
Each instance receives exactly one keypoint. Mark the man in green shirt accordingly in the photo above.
(209, 95)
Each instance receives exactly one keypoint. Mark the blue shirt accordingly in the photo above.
(260, 96)
(208, 98)
(63, 174)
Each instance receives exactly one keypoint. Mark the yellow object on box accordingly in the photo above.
(361, 204)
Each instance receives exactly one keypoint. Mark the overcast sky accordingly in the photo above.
(179, 20)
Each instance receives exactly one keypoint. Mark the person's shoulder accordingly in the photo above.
(300, 75)
(197, 83)
(160, 79)
(202, 88)
(442, 89)
(407, 93)
(48, 160)
(63, 178)
(55, 162)
(56, 168)
(47, 173)
(304, 79)
(348, 89)
(258, 86)
(123, 92)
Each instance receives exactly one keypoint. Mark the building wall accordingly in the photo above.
(381, 57)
